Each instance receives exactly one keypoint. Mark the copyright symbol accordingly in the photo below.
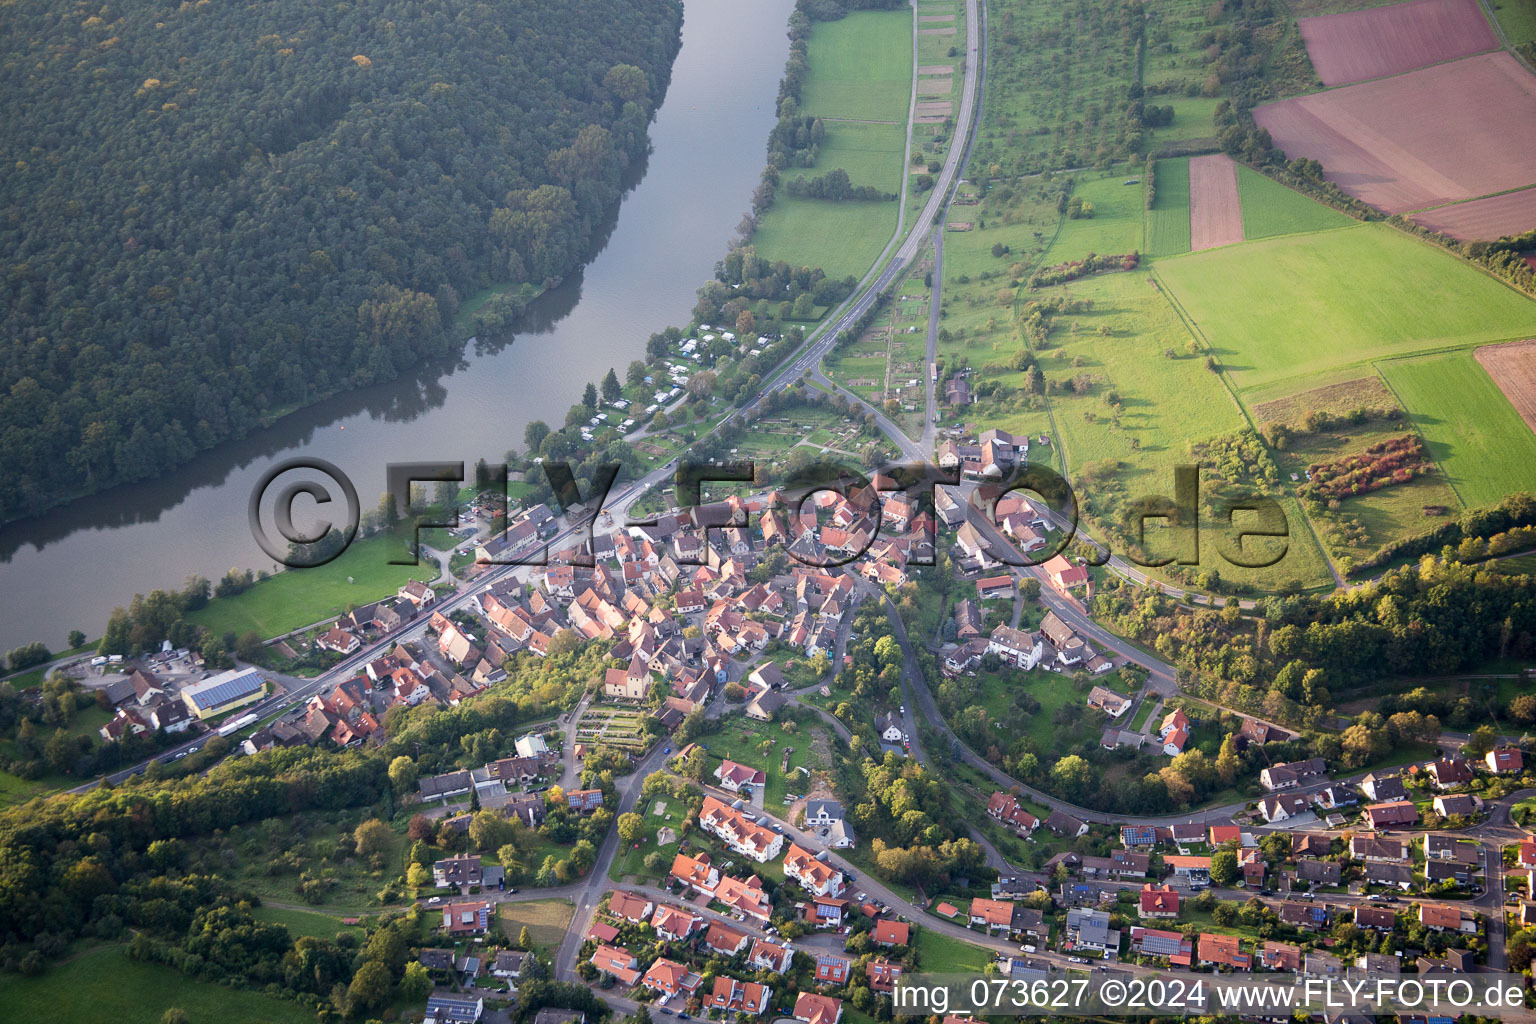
(282, 513)
(1112, 993)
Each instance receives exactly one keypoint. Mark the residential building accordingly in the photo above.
(1224, 951)
(1383, 788)
(733, 776)
(1449, 771)
(882, 975)
(1505, 760)
(461, 870)
(466, 918)
(1064, 824)
(814, 875)
(1393, 814)
(1171, 946)
(1292, 774)
(831, 969)
(1280, 956)
(1438, 917)
(739, 832)
(674, 923)
(725, 940)
(619, 962)
(1158, 902)
(697, 872)
(746, 896)
(668, 977)
(814, 1009)
(631, 907)
(731, 997)
(1089, 929)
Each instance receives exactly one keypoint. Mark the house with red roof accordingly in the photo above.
(466, 918)
(675, 923)
(697, 872)
(670, 977)
(882, 974)
(617, 961)
(814, 1009)
(770, 956)
(733, 776)
(1224, 951)
(831, 969)
(746, 896)
(631, 907)
(816, 876)
(734, 996)
(1158, 902)
(1505, 760)
(725, 940)
(892, 933)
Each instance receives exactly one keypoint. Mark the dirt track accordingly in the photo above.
(1358, 45)
(1513, 368)
(1447, 133)
(1215, 212)
(1484, 219)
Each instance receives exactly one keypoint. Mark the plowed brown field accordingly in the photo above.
(1215, 212)
(1447, 133)
(1484, 219)
(1513, 368)
(1357, 45)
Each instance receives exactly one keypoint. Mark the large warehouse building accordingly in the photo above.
(224, 691)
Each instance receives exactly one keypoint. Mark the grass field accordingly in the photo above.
(1484, 448)
(740, 741)
(861, 67)
(1168, 220)
(298, 597)
(546, 920)
(1150, 434)
(1382, 515)
(306, 922)
(840, 238)
(940, 954)
(1517, 18)
(1270, 209)
(103, 984)
(1301, 305)
(1116, 224)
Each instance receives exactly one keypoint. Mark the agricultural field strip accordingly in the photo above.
(1403, 143)
(1383, 41)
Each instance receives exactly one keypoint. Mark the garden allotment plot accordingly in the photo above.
(1283, 312)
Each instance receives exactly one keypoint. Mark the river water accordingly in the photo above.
(69, 569)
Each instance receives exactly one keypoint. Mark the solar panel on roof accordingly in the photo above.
(220, 690)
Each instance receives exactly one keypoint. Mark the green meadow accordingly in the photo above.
(103, 984)
(861, 70)
(1481, 444)
(861, 67)
(1116, 223)
(1166, 404)
(1294, 307)
(1168, 220)
(298, 597)
(1270, 209)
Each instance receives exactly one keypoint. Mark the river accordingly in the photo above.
(69, 569)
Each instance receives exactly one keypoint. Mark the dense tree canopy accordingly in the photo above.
(256, 206)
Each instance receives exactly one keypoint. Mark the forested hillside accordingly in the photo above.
(214, 212)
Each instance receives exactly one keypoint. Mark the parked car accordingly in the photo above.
(1077, 959)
